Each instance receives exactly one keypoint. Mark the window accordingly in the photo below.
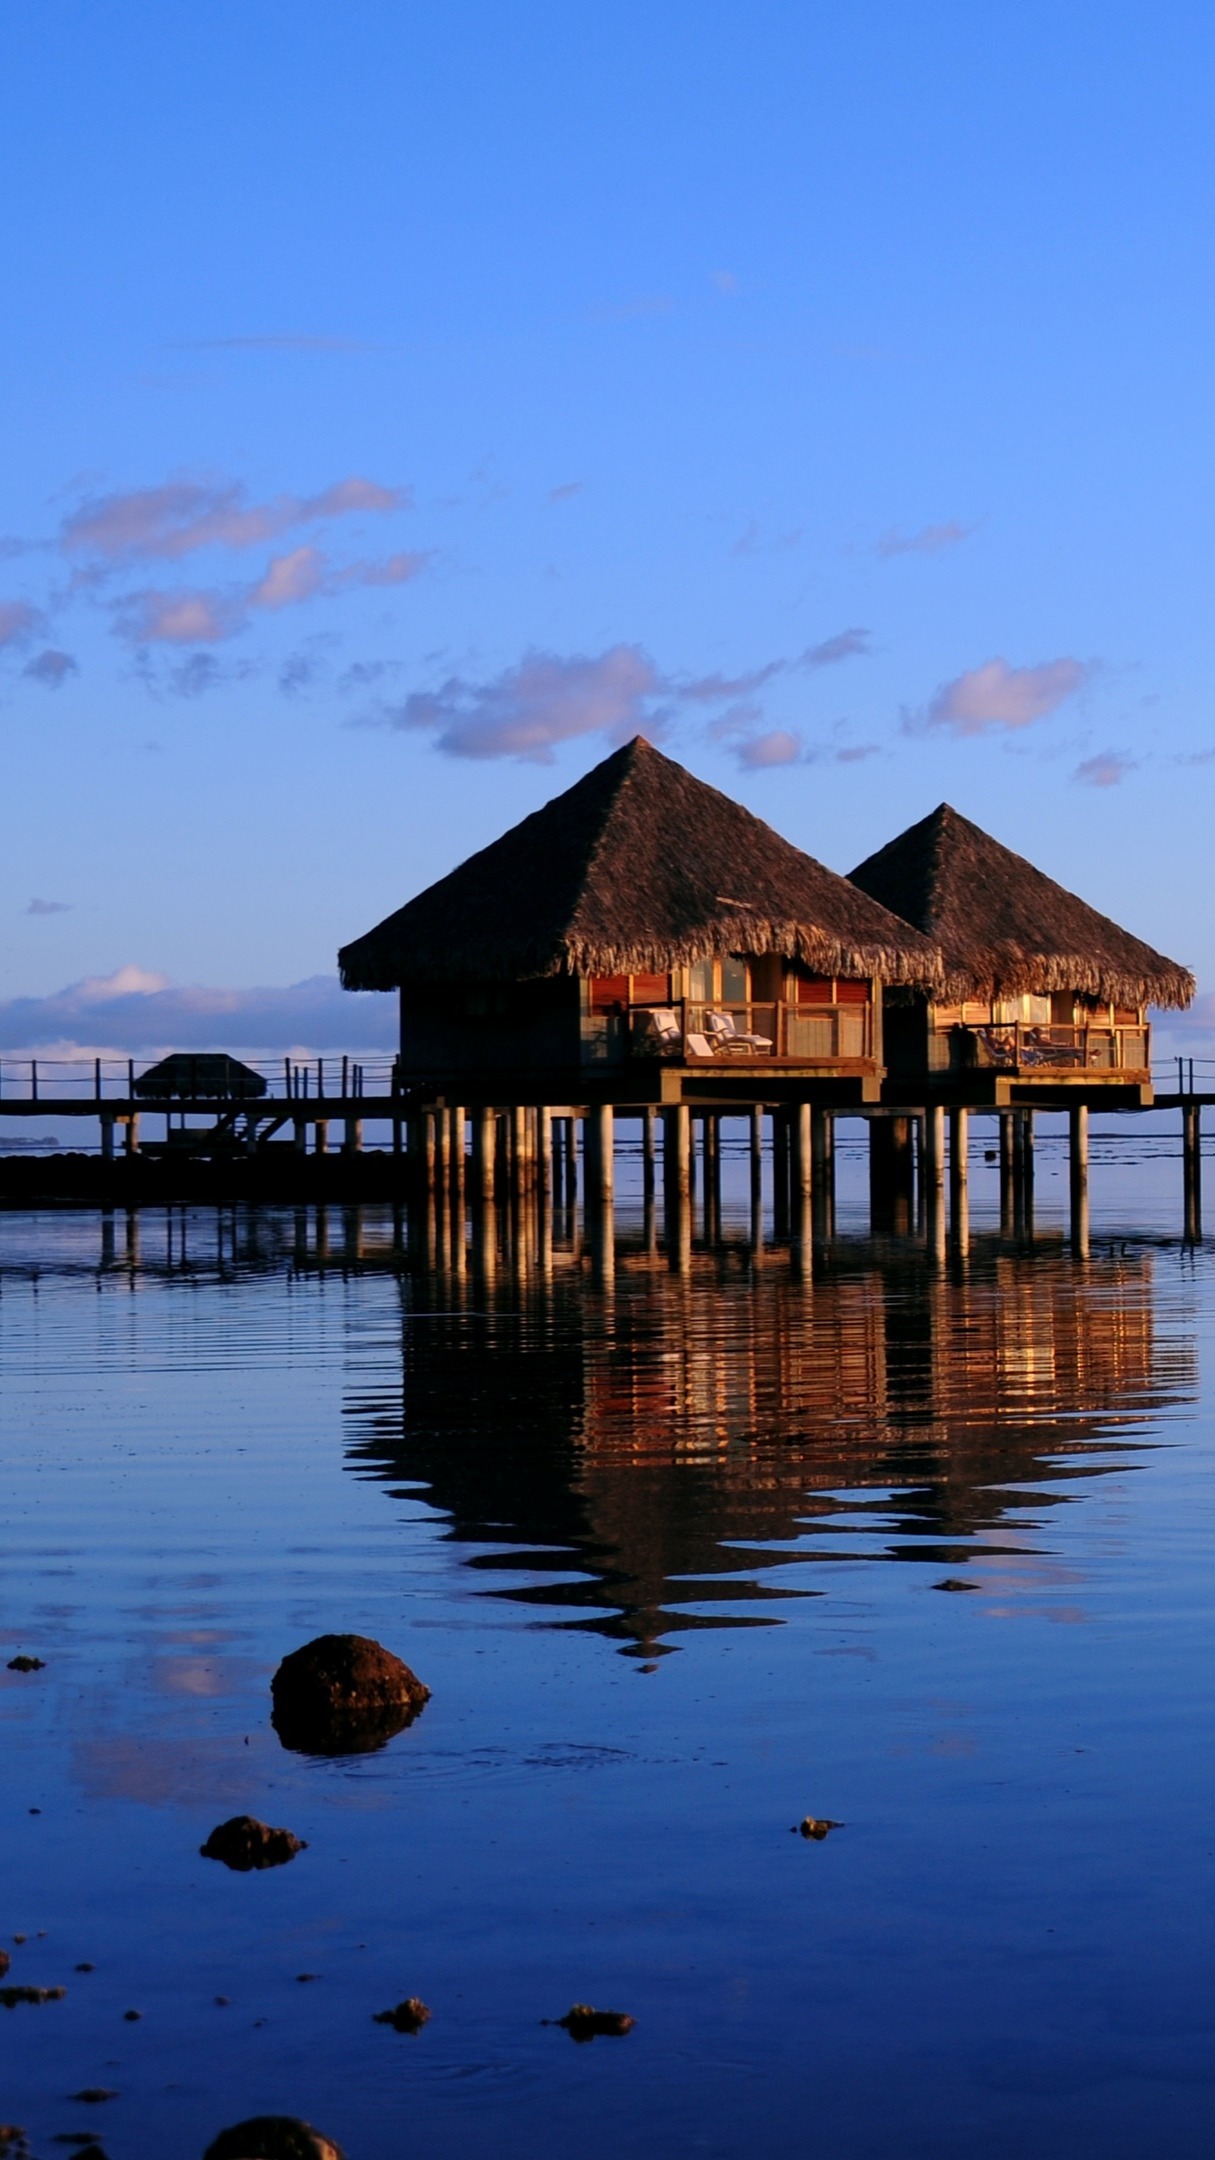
(700, 982)
(733, 980)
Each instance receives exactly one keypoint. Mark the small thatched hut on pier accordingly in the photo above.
(642, 939)
(1040, 991)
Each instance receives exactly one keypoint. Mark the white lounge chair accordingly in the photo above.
(658, 1030)
(727, 1036)
(698, 1046)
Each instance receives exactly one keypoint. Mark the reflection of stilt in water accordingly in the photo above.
(107, 1237)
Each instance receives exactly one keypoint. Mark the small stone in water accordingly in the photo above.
(244, 1843)
(93, 2095)
(408, 2017)
(86, 1968)
(5, 1962)
(584, 2023)
(11, 1996)
(132, 2017)
(817, 1826)
(27, 1664)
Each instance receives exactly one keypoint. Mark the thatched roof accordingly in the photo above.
(1005, 927)
(637, 868)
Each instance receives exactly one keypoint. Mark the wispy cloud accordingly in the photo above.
(178, 618)
(566, 492)
(196, 616)
(49, 907)
(1107, 769)
(997, 696)
(547, 699)
(51, 669)
(19, 622)
(776, 746)
(929, 540)
(136, 1011)
(280, 341)
(169, 522)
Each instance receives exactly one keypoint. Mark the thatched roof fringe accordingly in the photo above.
(1001, 975)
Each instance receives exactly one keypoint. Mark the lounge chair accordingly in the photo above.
(657, 1030)
(698, 1046)
(727, 1036)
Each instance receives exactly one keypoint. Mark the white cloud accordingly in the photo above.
(178, 618)
(135, 1012)
(999, 696)
(49, 907)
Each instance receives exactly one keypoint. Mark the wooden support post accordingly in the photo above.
(544, 1154)
(1008, 1170)
(484, 1139)
(756, 1165)
(353, 1142)
(457, 1118)
(439, 1159)
(959, 1178)
(570, 1166)
(107, 1138)
(131, 1136)
(518, 1148)
(676, 1182)
(780, 1173)
(299, 1127)
(649, 1151)
(321, 1146)
(802, 1195)
(932, 1177)
(599, 1138)
(712, 1158)
(1191, 1148)
(1078, 1177)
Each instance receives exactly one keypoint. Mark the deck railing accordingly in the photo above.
(797, 1034)
(1019, 1047)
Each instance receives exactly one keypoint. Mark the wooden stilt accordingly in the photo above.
(1078, 1177)
(959, 1178)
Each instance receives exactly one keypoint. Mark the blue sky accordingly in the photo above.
(405, 401)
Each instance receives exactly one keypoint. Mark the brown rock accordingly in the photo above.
(27, 1664)
(273, 2137)
(343, 1695)
(11, 1996)
(583, 2023)
(93, 2095)
(244, 1843)
(408, 2017)
(817, 1826)
(5, 1962)
(12, 2139)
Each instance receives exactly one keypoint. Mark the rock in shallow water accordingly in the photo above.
(27, 1664)
(343, 1695)
(408, 2016)
(584, 2023)
(245, 1843)
(273, 2137)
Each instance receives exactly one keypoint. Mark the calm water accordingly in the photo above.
(674, 1558)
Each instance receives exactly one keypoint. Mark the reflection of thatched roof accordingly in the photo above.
(1004, 927)
(637, 868)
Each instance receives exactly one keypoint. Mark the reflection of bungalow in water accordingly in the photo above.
(641, 939)
(1041, 992)
(648, 1479)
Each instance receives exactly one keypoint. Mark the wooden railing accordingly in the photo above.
(798, 1034)
(1023, 1048)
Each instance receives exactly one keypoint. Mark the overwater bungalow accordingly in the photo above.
(642, 940)
(1042, 996)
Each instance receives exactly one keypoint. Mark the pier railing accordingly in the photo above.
(108, 1079)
